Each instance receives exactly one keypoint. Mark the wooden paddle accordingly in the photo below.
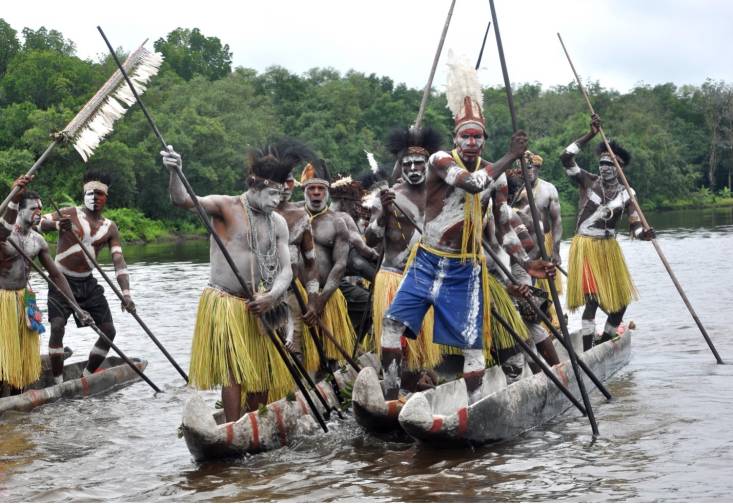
(279, 347)
(121, 296)
(78, 312)
(644, 222)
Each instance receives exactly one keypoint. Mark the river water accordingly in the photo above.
(665, 436)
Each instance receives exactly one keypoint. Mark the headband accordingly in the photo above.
(95, 185)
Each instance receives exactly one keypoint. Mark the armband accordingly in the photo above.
(638, 231)
(13, 206)
(126, 292)
(572, 149)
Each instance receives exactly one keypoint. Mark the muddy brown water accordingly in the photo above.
(665, 436)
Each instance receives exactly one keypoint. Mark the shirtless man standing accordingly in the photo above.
(332, 251)
(393, 229)
(96, 232)
(449, 270)
(20, 357)
(229, 347)
(597, 272)
(302, 260)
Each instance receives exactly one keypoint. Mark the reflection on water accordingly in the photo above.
(665, 436)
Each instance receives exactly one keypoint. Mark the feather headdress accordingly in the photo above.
(403, 141)
(315, 172)
(621, 154)
(463, 92)
(114, 98)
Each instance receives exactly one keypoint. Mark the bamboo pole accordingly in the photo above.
(538, 232)
(644, 222)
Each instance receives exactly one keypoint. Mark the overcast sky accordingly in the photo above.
(620, 43)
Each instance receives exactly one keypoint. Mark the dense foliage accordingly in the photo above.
(680, 137)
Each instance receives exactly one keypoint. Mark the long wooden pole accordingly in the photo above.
(217, 239)
(644, 222)
(429, 85)
(121, 296)
(77, 311)
(538, 231)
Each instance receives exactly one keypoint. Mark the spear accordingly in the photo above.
(426, 91)
(119, 294)
(217, 239)
(96, 119)
(538, 232)
(483, 44)
(78, 312)
(644, 222)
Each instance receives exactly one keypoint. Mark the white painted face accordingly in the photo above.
(265, 199)
(316, 197)
(95, 200)
(414, 169)
(469, 140)
(606, 167)
(30, 214)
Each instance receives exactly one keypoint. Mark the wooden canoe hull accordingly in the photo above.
(443, 417)
(112, 374)
(208, 438)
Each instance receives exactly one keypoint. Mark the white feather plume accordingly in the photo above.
(341, 182)
(96, 120)
(462, 81)
(371, 199)
(372, 162)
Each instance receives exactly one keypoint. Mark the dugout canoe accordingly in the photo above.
(112, 374)
(442, 416)
(209, 437)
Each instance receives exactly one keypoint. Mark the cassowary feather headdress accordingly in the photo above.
(270, 165)
(621, 154)
(463, 93)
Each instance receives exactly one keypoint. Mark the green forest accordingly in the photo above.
(680, 137)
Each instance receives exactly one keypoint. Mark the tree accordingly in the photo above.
(189, 53)
(9, 45)
(47, 40)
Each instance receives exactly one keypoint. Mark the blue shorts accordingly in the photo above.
(453, 287)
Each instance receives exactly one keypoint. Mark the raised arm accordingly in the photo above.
(572, 170)
(212, 205)
(123, 277)
(7, 220)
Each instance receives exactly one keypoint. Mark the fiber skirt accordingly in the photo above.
(335, 317)
(229, 339)
(20, 348)
(597, 269)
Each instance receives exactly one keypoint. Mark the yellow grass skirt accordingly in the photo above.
(597, 268)
(422, 353)
(20, 348)
(228, 338)
(336, 318)
(502, 302)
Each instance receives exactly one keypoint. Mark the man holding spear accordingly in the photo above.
(20, 324)
(96, 232)
(229, 347)
(597, 272)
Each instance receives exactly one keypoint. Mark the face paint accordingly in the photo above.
(469, 140)
(95, 200)
(316, 196)
(413, 169)
(287, 193)
(30, 214)
(265, 199)
(606, 168)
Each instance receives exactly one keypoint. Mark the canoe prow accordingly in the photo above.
(443, 417)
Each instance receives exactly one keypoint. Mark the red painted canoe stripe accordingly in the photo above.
(84, 386)
(282, 434)
(255, 431)
(437, 424)
(392, 408)
(36, 397)
(462, 420)
(230, 433)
